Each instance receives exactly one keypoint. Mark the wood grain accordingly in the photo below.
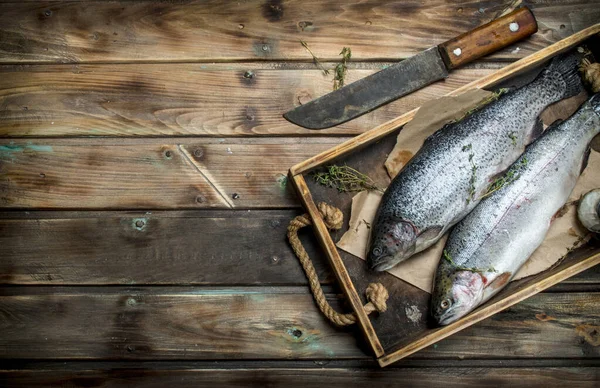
(151, 174)
(100, 31)
(488, 38)
(166, 247)
(276, 323)
(189, 247)
(122, 376)
(535, 323)
(184, 99)
(175, 323)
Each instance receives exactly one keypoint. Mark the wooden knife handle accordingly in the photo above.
(488, 38)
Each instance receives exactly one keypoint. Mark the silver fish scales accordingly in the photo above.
(445, 180)
(487, 248)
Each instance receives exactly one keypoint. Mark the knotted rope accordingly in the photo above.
(376, 293)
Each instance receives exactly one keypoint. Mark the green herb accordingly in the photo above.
(473, 179)
(449, 258)
(468, 147)
(344, 179)
(510, 176)
(315, 59)
(513, 138)
(493, 97)
(341, 68)
(451, 261)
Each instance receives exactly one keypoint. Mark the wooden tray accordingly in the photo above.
(392, 335)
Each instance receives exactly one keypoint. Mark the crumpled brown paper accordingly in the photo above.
(419, 269)
(432, 115)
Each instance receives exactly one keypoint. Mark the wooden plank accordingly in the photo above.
(100, 31)
(170, 247)
(182, 99)
(590, 276)
(276, 323)
(306, 377)
(151, 174)
(168, 323)
(167, 247)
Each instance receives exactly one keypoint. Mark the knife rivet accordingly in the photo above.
(514, 26)
(249, 74)
(457, 51)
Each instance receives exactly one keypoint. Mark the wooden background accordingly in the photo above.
(143, 162)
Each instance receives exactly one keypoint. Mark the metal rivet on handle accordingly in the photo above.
(457, 51)
(514, 26)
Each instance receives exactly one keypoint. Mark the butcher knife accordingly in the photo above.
(414, 73)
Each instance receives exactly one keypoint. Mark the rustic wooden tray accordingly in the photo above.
(392, 335)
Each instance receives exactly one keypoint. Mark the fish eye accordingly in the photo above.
(445, 304)
(377, 251)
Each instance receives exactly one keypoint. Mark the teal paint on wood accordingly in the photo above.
(12, 148)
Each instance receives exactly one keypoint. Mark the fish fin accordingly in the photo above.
(431, 233)
(428, 235)
(586, 159)
(538, 129)
(566, 66)
(500, 281)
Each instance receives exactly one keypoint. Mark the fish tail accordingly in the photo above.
(566, 67)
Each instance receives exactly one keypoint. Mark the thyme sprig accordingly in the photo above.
(471, 269)
(341, 68)
(344, 179)
(473, 178)
(315, 59)
(506, 179)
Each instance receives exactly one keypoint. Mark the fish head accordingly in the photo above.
(392, 242)
(455, 294)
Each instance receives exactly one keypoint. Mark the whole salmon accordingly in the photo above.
(443, 182)
(486, 249)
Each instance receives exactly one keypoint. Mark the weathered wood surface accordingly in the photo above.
(196, 99)
(168, 323)
(166, 247)
(275, 323)
(100, 31)
(266, 376)
(207, 247)
(151, 174)
(146, 286)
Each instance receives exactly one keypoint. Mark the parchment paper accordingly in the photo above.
(419, 269)
(432, 115)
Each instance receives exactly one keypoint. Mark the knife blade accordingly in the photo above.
(413, 73)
